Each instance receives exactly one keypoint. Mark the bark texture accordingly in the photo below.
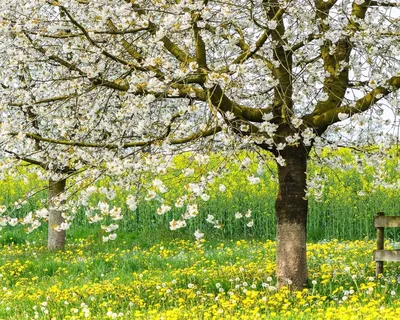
(291, 212)
(56, 239)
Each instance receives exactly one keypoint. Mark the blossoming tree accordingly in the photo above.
(275, 74)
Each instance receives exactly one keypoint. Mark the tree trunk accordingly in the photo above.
(291, 213)
(56, 239)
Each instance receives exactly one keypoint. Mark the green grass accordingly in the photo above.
(140, 278)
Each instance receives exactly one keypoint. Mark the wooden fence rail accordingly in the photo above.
(381, 255)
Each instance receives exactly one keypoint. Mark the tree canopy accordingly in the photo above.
(94, 85)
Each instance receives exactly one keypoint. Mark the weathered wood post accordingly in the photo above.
(380, 256)
(380, 243)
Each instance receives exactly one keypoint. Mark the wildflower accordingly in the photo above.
(198, 235)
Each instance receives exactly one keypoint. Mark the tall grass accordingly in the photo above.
(341, 213)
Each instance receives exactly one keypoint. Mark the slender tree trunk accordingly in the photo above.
(291, 212)
(56, 239)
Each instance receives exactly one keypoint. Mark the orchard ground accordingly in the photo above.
(137, 277)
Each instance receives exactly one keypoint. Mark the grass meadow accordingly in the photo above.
(150, 272)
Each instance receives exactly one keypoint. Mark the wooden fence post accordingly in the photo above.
(380, 243)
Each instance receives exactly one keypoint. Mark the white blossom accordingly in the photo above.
(198, 235)
(177, 224)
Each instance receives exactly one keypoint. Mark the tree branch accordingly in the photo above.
(201, 54)
(320, 122)
(260, 41)
(385, 4)
(96, 80)
(66, 170)
(336, 84)
(196, 135)
(94, 43)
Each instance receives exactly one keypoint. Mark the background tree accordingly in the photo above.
(55, 217)
(275, 74)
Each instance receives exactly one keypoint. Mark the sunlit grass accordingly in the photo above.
(178, 279)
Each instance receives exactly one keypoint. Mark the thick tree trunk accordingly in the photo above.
(56, 239)
(291, 212)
